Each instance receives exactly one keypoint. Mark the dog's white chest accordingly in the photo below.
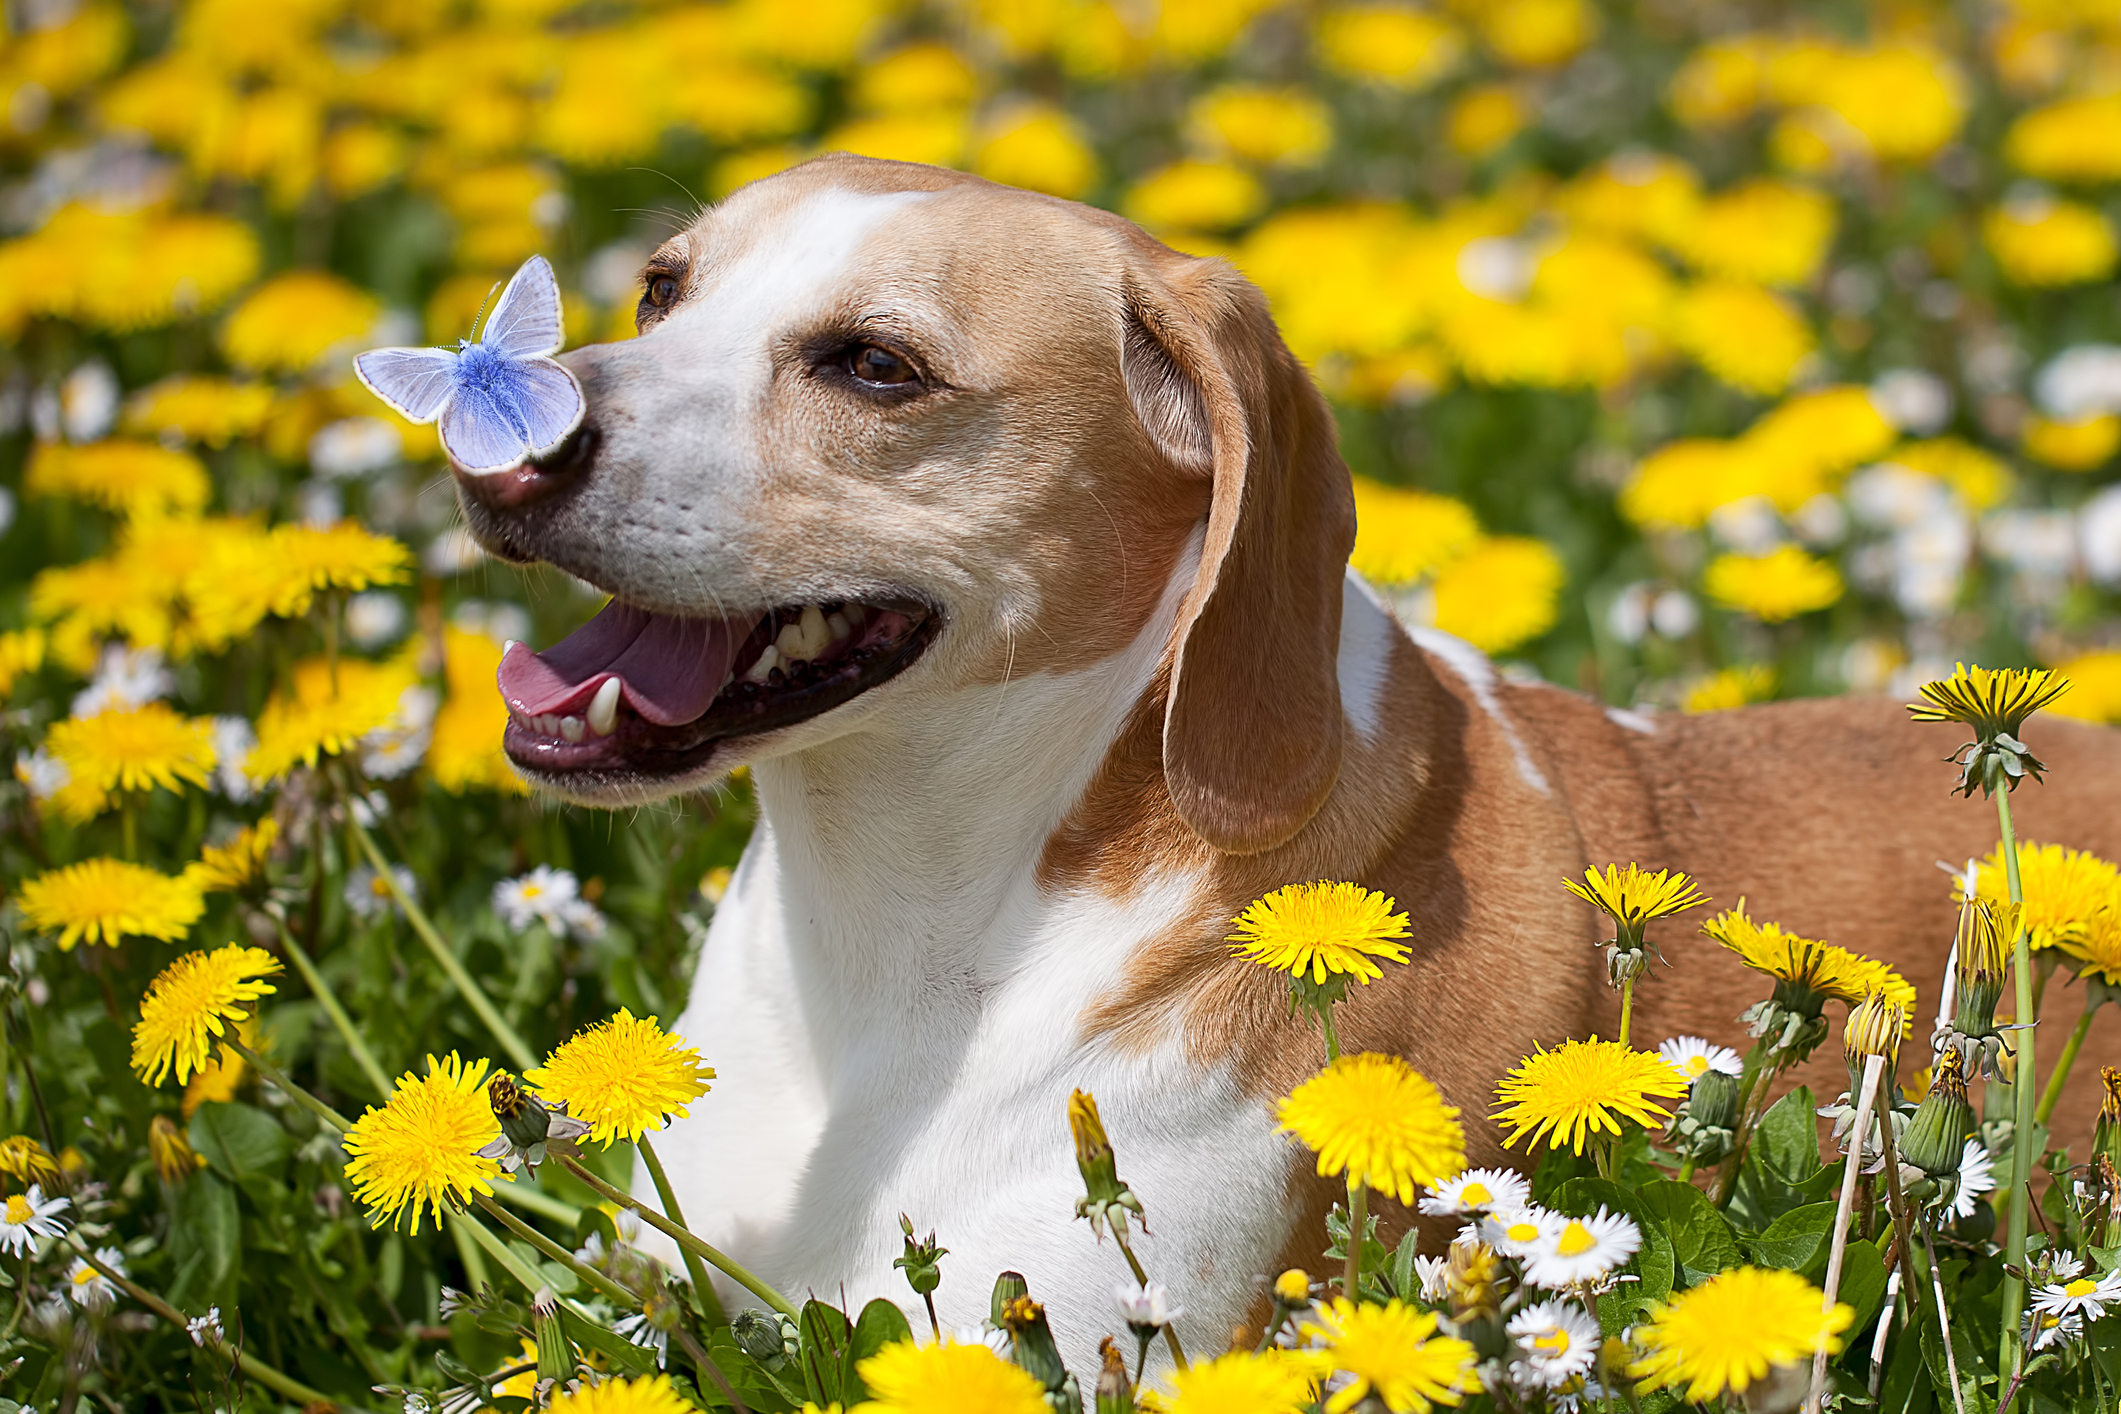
(950, 1105)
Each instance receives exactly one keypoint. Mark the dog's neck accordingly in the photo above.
(905, 854)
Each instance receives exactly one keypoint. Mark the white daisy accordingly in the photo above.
(1145, 1307)
(89, 1288)
(44, 774)
(549, 896)
(29, 1216)
(1477, 1190)
(234, 740)
(639, 1330)
(1556, 1342)
(2086, 1296)
(1515, 1232)
(1573, 1250)
(1693, 1057)
(2048, 1331)
(1976, 1176)
(126, 680)
(368, 896)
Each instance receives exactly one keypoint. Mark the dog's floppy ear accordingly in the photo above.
(1252, 732)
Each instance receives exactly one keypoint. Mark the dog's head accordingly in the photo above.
(890, 432)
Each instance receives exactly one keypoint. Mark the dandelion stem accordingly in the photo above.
(736, 1271)
(525, 1195)
(257, 1369)
(129, 823)
(1686, 1169)
(1141, 1276)
(2051, 1096)
(1852, 1166)
(474, 995)
(2025, 1084)
(1358, 1219)
(1325, 1021)
(703, 1296)
(582, 1270)
(1627, 1007)
(340, 1021)
(288, 1087)
(500, 1252)
(474, 1260)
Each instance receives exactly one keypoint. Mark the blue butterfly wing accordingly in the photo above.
(416, 382)
(514, 409)
(526, 322)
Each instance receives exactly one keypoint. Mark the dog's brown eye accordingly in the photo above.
(873, 364)
(662, 290)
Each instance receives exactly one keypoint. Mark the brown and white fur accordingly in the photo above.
(1157, 693)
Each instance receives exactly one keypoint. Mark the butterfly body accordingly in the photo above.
(500, 398)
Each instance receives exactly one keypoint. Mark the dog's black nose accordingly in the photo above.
(535, 480)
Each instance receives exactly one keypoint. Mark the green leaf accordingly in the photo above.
(622, 1354)
(826, 1336)
(206, 1230)
(1786, 1140)
(881, 1323)
(1556, 1167)
(243, 1145)
(1862, 1281)
(1798, 1240)
(1702, 1241)
(593, 1219)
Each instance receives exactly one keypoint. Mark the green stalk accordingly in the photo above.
(1358, 1219)
(500, 1252)
(2051, 1096)
(710, 1305)
(519, 1051)
(1325, 1020)
(340, 1021)
(1126, 1249)
(251, 1365)
(582, 1270)
(474, 1260)
(735, 1270)
(1627, 1007)
(2012, 1295)
(288, 1087)
(528, 1195)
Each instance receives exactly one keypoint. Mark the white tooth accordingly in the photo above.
(855, 613)
(768, 661)
(604, 708)
(549, 724)
(815, 635)
(790, 642)
(571, 728)
(836, 626)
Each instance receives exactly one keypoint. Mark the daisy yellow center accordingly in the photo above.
(378, 886)
(1521, 1231)
(18, 1210)
(1696, 1065)
(1555, 1341)
(2082, 1286)
(531, 891)
(1476, 1193)
(85, 1276)
(1575, 1240)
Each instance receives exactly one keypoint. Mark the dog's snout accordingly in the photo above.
(532, 481)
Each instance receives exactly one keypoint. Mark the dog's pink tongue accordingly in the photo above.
(669, 669)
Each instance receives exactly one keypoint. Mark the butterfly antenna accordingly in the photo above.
(482, 310)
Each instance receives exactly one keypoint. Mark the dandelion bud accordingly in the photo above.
(1114, 1394)
(758, 1334)
(1936, 1136)
(1475, 1284)
(1039, 1357)
(1293, 1287)
(1007, 1287)
(1712, 1099)
(1105, 1198)
(1873, 1029)
(2106, 1134)
(1986, 931)
(174, 1158)
(24, 1161)
(555, 1354)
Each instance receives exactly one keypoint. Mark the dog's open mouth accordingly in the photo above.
(652, 694)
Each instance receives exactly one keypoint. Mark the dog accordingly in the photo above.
(1008, 549)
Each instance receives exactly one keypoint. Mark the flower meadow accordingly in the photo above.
(1692, 355)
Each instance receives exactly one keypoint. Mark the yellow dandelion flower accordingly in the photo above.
(133, 478)
(1814, 969)
(313, 720)
(1729, 1332)
(1778, 585)
(1504, 592)
(2075, 140)
(1404, 48)
(2041, 241)
(103, 900)
(1485, 117)
(653, 1394)
(465, 750)
(343, 556)
(1392, 1351)
(1980, 478)
(1583, 1089)
(1993, 701)
(150, 746)
(1749, 337)
(1378, 1120)
(422, 1148)
(1321, 929)
(2064, 889)
(1401, 535)
(228, 867)
(622, 1077)
(213, 411)
(1765, 232)
(23, 1161)
(1632, 896)
(170, 1151)
(2071, 443)
(947, 1379)
(1241, 1382)
(216, 1081)
(21, 652)
(2095, 678)
(294, 319)
(1037, 146)
(1271, 126)
(1196, 196)
(1731, 687)
(2097, 949)
(190, 1003)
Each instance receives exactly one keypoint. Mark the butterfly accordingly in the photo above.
(502, 397)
